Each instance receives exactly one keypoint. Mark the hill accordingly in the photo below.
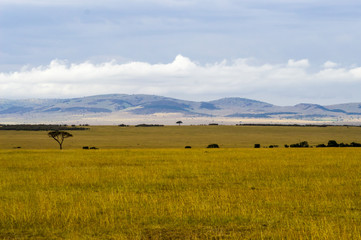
(102, 108)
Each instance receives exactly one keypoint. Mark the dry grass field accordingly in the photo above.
(159, 190)
(114, 137)
(181, 194)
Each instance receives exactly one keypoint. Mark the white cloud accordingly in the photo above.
(330, 64)
(186, 79)
(356, 72)
(298, 64)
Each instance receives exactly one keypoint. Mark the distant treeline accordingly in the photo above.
(304, 144)
(331, 143)
(40, 127)
(149, 125)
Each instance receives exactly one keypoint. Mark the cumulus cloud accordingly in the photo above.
(183, 78)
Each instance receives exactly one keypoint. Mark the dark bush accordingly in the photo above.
(85, 147)
(257, 145)
(187, 147)
(286, 146)
(214, 145)
(354, 144)
(94, 148)
(303, 144)
(332, 143)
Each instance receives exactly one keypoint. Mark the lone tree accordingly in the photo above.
(179, 123)
(59, 136)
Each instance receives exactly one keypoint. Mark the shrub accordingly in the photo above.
(187, 147)
(257, 145)
(303, 144)
(213, 145)
(355, 144)
(332, 143)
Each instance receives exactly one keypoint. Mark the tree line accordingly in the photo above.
(305, 144)
(41, 127)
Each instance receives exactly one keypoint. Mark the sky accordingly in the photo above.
(279, 51)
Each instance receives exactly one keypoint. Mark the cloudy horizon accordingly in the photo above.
(281, 84)
(279, 51)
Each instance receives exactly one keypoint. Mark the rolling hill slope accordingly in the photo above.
(101, 106)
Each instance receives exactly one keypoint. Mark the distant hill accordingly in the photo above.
(101, 106)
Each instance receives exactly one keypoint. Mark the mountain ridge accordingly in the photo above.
(149, 105)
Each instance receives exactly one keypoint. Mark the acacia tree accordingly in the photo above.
(59, 137)
(179, 123)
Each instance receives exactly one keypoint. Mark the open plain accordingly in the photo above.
(114, 137)
(142, 184)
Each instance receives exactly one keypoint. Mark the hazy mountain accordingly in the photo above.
(101, 106)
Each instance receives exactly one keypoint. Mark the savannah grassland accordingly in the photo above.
(143, 184)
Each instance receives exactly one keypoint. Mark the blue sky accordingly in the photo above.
(279, 51)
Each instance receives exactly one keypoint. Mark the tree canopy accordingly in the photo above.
(59, 137)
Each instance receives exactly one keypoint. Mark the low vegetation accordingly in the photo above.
(40, 127)
(303, 144)
(333, 143)
(149, 125)
(213, 145)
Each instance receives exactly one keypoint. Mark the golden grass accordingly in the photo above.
(113, 137)
(181, 194)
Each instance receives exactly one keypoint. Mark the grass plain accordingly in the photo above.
(159, 190)
(114, 137)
